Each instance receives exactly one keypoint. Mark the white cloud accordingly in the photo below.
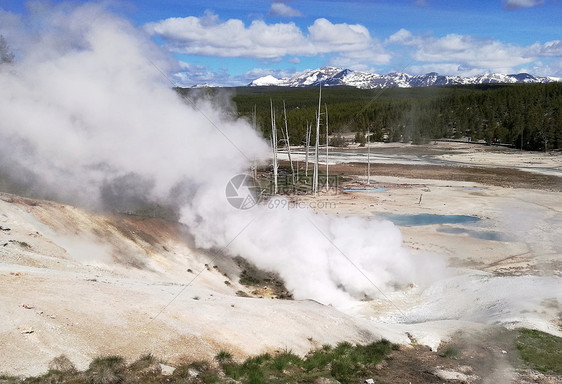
(208, 36)
(190, 75)
(359, 60)
(548, 49)
(344, 62)
(344, 45)
(280, 9)
(324, 32)
(470, 51)
(450, 69)
(403, 37)
(540, 68)
(467, 55)
(516, 4)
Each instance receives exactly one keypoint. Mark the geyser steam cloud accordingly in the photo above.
(84, 108)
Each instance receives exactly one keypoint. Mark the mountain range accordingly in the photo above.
(332, 76)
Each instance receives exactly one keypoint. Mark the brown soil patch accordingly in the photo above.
(502, 177)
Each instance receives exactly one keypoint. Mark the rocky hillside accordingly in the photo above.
(83, 284)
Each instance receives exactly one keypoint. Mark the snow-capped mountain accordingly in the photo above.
(203, 85)
(331, 76)
(267, 81)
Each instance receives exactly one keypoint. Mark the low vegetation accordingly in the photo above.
(343, 363)
(346, 363)
(451, 352)
(255, 278)
(540, 350)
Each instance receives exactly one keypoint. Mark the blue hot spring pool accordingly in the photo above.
(427, 219)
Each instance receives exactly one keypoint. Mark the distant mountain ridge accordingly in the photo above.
(332, 76)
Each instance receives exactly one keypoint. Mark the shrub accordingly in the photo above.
(144, 362)
(284, 360)
(450, 352)
(257, 360)
(232, 370)
(338, 141)
(360, 138)
(346, 363)
(62, 364)
(374, 353)
(249, 280)
(197, 371)
(223, 357)
(342, 348)
(317, 360)
(255, 375)
(343, 369)
(106, 370)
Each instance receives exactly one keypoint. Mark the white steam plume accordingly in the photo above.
(83, 107)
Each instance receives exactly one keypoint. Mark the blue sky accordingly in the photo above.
(233, 42)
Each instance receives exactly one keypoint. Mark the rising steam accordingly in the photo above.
(87, 117)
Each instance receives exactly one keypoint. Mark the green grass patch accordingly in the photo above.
(450, 352)
(249, 280)
(345, 362)
(540, 350)
(285, 360)
(223, 357)
(4, 379)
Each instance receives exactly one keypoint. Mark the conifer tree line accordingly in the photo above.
(522, 115)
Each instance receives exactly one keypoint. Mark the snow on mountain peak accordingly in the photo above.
(266, 81)
(333, 76)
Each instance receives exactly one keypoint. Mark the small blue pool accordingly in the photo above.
(482, 235)
(375, 190)
(427, 219)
